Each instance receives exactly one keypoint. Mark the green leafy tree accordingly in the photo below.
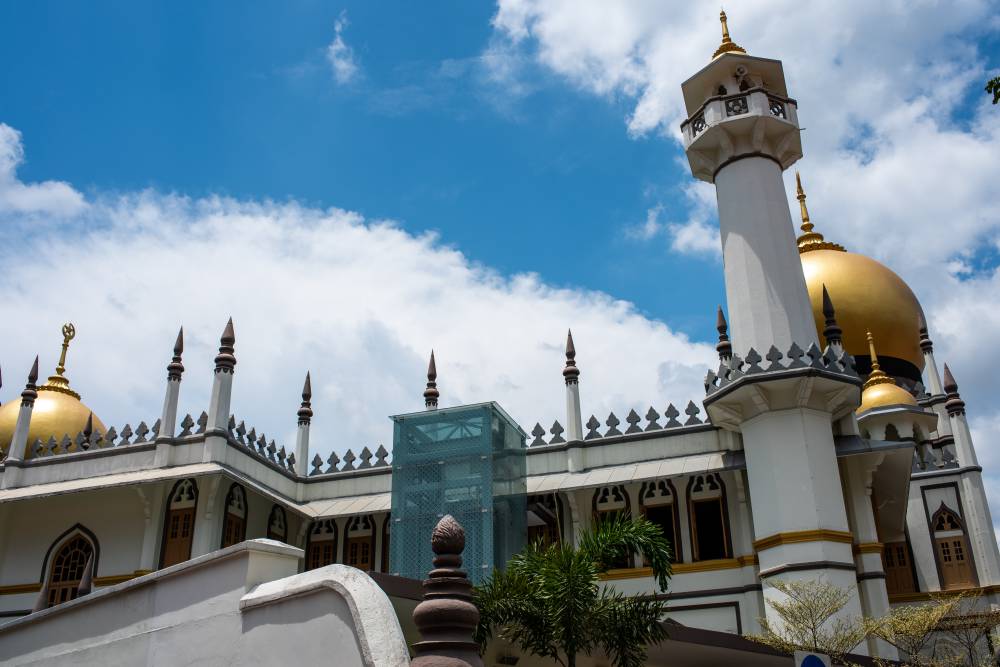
(550, 600)
(993, 88)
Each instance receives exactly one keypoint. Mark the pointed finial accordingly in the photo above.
(29, 394)
(431, 393)
(570, 373)
(954, 405)
(809, 239)
(175, 368)
(877, 375)
(925, 340)
(59, 382)
(724, 347)
(831, 331)
(226, 361)
(728, 45)
(89, 428)
(69, 333)
(871, 350)
(33, 373)
(305, 409)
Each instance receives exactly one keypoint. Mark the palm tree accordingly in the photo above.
(550, 602)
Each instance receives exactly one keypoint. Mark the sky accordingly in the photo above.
(358, 183)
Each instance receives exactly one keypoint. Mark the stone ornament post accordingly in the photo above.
(447, 618)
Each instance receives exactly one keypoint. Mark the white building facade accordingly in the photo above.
(828, 444)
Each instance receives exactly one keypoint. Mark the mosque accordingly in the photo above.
(828, 445)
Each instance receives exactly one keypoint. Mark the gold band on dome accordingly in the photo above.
(728, 45)
(810, 240)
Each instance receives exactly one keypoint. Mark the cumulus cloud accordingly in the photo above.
(17, 198)
(358, 302)
(341, 57)
(900, 141)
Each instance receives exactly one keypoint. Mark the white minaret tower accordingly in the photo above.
(741, 133)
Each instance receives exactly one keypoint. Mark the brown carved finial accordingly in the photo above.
(175, 368)
(723, 347)
(446, 618)
(226, 361)
(831, 331)
(925, 340)
(431, 393)
(305, 409)
(571, 373)
(88, 429)
(955, 405)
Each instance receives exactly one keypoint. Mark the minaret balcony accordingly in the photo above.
(753, 122)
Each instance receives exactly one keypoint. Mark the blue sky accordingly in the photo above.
(200, 99)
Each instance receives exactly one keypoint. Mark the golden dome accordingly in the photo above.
(866, 295)
(58, 410)
(880, 390)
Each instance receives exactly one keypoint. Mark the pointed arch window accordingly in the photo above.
(545, 519)
(951, 548)
(322, 548)
(709, 518)
(70, 554)
(277, 524)
(178, 524)
(359, 542)
(659, 505)
(612, 502)
(234, 524)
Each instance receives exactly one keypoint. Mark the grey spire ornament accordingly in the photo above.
(831, 331)
(723, 347)
(175, 368)
(29, 394)
(431, 393)
(955, 405)
(571, 374)
(305, 412)
(225, 361)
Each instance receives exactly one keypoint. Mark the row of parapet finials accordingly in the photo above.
(333, 461)
(737, 367)
(612, 422)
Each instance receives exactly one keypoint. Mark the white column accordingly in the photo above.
(222, 393)
(305, 414)
(765, 287)
(571, 374)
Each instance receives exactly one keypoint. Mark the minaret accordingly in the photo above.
(741, 134)
(222, 386)
(571, 374)
(305, 414)
(431, 393)
(168, 418)
(978, 520)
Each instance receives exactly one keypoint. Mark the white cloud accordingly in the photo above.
(341, 56)
(649, 228)
(16, 198)
(358, 302)
(901, 142)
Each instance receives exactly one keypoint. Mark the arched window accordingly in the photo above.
(659, 505)
(178, 525)
(545, 519)
(359, 542)
(322, 547)
(277, 527)
(68, 558)
(709, 518)
(952, 550)
(610, 502)
(234, 524)
(385, 542)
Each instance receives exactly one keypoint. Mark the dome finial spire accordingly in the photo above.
(877, 375)
(809, 239)
(59, 382)
(728, 45)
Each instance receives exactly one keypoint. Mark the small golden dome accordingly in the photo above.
(867, 295)
(880, 390)
(58, 410)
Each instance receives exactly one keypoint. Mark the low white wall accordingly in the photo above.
(241, 605)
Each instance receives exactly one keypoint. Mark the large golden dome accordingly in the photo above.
(58, 410)
(867, 296)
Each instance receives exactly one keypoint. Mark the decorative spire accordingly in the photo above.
(571, 373)
(724, 347)
(955, 405)
(447, 618)
(925, 340)
(831, 332)
(305, 410)
(175, 367)
(88, 429)
(29, 394)
(877, 376)
(728, 45)
(59, 382)
(431, 393)
(226, 361)
(809, 240)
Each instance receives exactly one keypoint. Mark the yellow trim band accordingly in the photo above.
(799, 536)
(683, 568)
(20, 589)
(869, 548)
